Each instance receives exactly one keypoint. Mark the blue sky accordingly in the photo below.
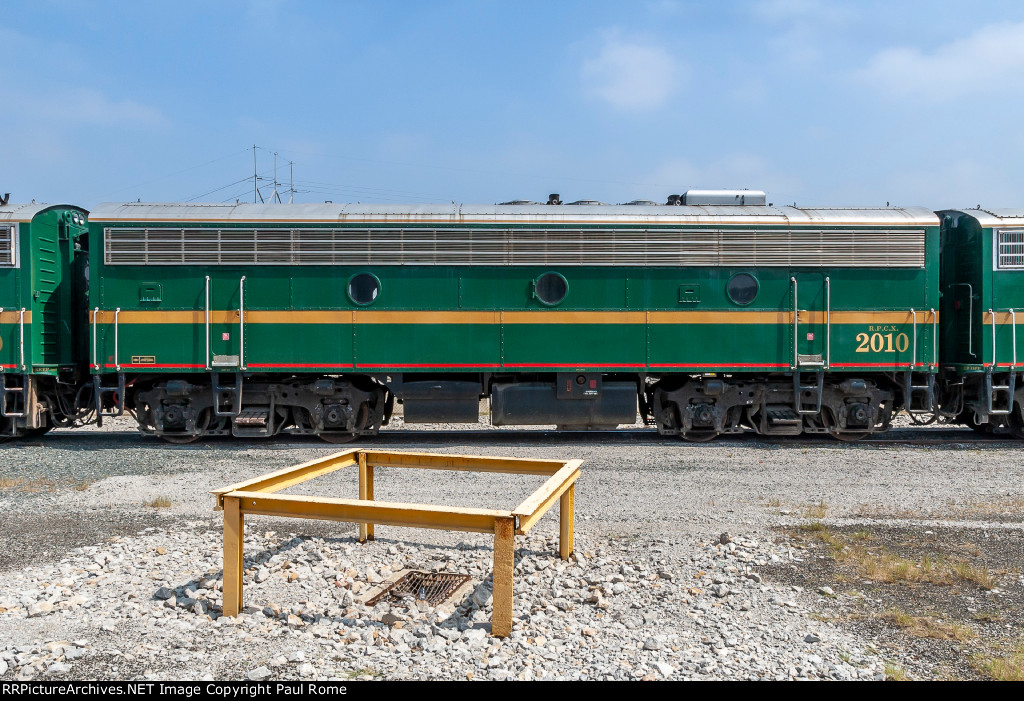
(819, 103)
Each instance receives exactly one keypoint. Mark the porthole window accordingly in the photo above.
(551, 289)
(742, 289)
(363, 288)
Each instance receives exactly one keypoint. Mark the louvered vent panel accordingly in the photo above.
(7, 239)
(891, 248)
(1011, 249)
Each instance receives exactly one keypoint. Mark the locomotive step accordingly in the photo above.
(253, 417)
(13, 399)
(783, 416)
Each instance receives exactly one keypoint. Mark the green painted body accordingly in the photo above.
(634, 343)
(49, 284)
(972, 288)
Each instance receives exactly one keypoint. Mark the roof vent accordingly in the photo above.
(587, 202)
(554, 199)
(514, 202)
(643, 203)
(723, 197)
(5, 199)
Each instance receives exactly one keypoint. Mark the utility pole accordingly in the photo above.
(291, 182)
(255, 191)
(275, 197)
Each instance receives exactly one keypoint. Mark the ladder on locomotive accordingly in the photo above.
(99, 389)
(992, 390)
(14, 400)
(923, 394)
(807, 397)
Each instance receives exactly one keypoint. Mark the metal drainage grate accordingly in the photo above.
(431, 587)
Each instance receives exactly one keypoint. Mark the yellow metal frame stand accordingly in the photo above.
(259, 496)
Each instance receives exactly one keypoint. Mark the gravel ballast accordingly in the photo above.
(96, 584)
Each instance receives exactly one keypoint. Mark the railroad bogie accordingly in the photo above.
(701, 408)
(335, 409)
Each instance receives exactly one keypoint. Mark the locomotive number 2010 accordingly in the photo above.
(879, 343)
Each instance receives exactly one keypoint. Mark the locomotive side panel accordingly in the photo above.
(327, 314)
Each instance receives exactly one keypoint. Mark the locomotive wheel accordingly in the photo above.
(849, 437)
(180, 438)
(967, 418)
(337, 437)
(699, 436)
(36, 432)
(362, 419)
(1015, 424)
(186, 438)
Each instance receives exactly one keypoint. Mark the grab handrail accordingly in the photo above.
(993, 315)
(796, 326)
(913, 353)
(95, 328)
(828, 322)
(207, 295)
(241, 323)
(21, 325)
(935, 341)
(1013, 320)
(117, 340)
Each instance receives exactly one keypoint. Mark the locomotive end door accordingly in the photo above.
(811, 328)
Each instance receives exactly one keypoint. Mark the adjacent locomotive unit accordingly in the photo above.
(43, 285)
(982, 268)
(707, 318)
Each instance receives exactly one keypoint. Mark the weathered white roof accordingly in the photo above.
(25, 212)
(523, 214)
(1010, 216)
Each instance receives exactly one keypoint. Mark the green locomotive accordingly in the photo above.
(43, 288)
(983, 262)
(719, 315)
(712, 314)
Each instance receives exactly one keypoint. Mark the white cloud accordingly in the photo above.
(631, 75)
(84, 107)
(93, 107)
(988, 61)
(803, 29)
(808, 11)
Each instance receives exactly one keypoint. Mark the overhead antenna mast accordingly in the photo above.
(255, 190)
(275, 197)
(291, 182)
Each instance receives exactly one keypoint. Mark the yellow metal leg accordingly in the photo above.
(365, 493)
(566, 515)
(504, 561)
(369, 495)
(233, 530)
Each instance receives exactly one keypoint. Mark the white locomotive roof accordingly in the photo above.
(519, 214)
(26, 212)
(1010, 216)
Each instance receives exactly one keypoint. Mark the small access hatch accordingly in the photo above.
(689, 294)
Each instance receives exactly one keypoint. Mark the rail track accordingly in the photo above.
(932, 437)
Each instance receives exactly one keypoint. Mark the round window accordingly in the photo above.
(551, 288)
(363, 288)
(742, 288)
